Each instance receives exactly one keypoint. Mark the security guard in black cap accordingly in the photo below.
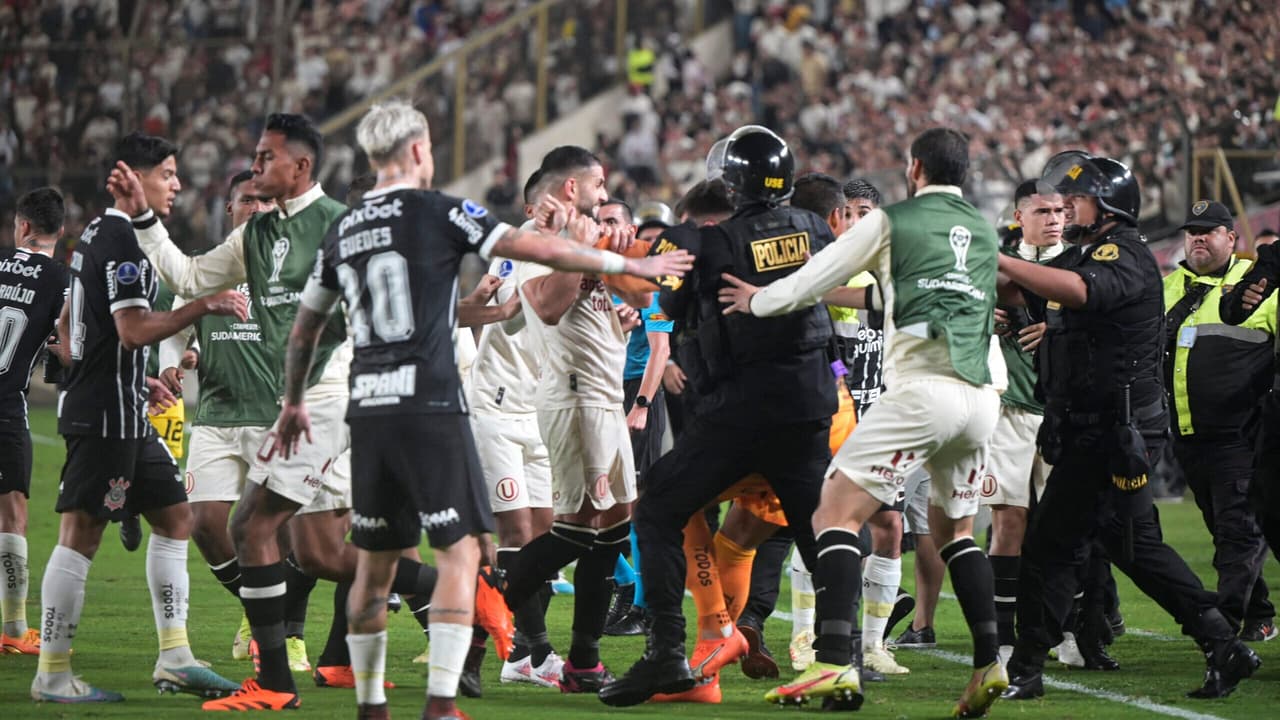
(1214, 374)
(765, 386)
(1105, 418)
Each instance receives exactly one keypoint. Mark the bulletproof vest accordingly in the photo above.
(1088, 357)
(759, 244)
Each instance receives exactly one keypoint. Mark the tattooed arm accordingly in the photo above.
(294, 421)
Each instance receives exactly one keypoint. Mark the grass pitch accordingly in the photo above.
(115, 648)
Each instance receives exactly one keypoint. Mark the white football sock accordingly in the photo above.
(369, 662)
(803, 598)
(170, 594)
(13, 596)
(880, 579)
(62, 599)
(449, 645)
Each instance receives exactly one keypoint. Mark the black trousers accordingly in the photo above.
(1264, 491)
(708, 458)
(1218, 471)
(646, 444)
(1077, 507)
(766, 574)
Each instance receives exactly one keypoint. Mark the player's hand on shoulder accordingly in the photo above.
(227, 302)
(736, 294)
(125, 186)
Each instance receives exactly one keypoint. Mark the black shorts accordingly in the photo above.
(112, 479)
(411, 473)
(15, 456)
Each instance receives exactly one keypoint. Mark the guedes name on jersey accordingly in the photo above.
(364, 241)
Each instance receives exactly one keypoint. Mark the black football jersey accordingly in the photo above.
(394, 260)
(31, 291)
(105, 393)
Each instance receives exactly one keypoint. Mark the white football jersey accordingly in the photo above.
(504, 375)
(582, 356)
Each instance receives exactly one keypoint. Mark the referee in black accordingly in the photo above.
(1105, 418)
(768, 401)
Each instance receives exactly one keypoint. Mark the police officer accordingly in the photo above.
(1214, 374)
(1238, 306)
(1105, 417)
(765, 393)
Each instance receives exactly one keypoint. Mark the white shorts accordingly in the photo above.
(514, 459)
(219, 461)
(318, 476)
(940, 425)
(590, 450)
(1014, 466)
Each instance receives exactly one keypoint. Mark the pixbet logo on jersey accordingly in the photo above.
(371, 211)
(15, 266)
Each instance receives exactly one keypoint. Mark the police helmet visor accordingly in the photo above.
(1073, 173)
(715, 159)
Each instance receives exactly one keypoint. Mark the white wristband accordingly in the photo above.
(613, 263)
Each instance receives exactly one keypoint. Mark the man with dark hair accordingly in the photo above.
(582, 351)
(116, 465)
(226, 432)
(31, 292)
(1266, 237)
(1016, 472)
(936, 262)
(1100, 363)
(862, 196)
(310, 490)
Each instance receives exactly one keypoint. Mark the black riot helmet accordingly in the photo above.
(1108, 181)
(757, 166)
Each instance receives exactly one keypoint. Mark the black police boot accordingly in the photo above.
(1026, 678)
(623, 597)
(1227, 662)
(469, 681)
(1095, 655)
(662, 669)
(759, 662)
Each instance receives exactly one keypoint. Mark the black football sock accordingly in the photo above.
(419, 605)
(228, 575)
(538, 561)
(837, 578)
(591, 594)
(417, 581)
(971, 578)
(530, 619)
(298, 587)
(1004, 568)
(262, 590)
(335, 648)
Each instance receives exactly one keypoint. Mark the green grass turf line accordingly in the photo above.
(115, 647)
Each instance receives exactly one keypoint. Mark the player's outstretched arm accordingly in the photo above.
(563, 254)
(220, 268)
(1062, 286)
(856, 250)
(139, 327)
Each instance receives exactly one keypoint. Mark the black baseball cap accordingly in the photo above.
(1207, 215)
